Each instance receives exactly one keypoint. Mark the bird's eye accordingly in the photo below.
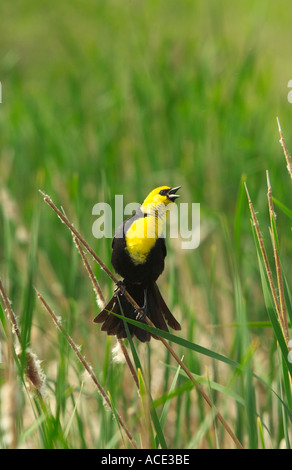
(163, 192)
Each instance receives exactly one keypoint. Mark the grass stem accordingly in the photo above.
(285, 150)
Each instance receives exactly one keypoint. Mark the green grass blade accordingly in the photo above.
(166, 406)
(273, 316)
(270, 307)
(283, 208)
(287, 389)
(261, 433)
(69, 424)
(147, 403)
(29, 294)
(116, 418)
(181, 341)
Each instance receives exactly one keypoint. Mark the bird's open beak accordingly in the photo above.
(171, 193)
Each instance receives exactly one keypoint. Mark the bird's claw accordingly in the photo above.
(140, 316)
(120, 288)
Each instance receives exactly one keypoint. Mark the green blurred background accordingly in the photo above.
(116, 97)
(105, 98)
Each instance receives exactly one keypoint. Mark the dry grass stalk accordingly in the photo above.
(86, 366)
(34, 376)
(129, 362)
(282, 306)
(8, 418)
(96, 287)
(64, 219)
(285, 150)
(264, 253)
(10, 314)
(12, 400)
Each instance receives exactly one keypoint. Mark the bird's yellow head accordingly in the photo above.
(160, 198)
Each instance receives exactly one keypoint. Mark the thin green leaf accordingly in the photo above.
(145, 395)
(283, 208)
(116, 417)
(69, 424)
(260, 428)
(181, 341)
(167, 403)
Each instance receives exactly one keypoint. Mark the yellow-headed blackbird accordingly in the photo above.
(138, 257)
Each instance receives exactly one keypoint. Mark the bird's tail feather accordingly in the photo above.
(157, 312)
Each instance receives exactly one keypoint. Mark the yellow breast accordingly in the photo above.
(142, 236)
